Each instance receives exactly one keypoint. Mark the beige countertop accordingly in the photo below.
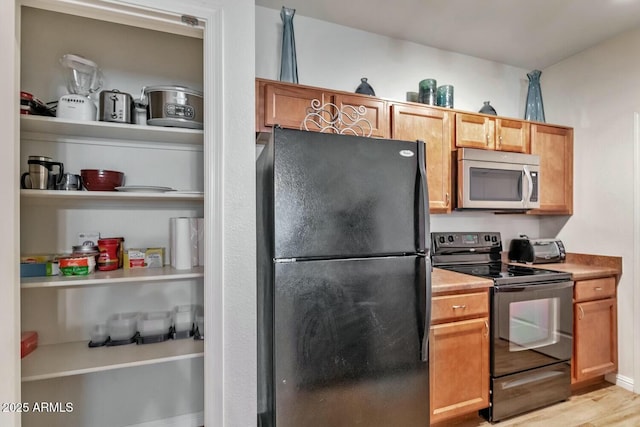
(581, 267)
(445, 281)
(586, 266)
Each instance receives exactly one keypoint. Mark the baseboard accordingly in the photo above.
(621, 381)
(188, 420)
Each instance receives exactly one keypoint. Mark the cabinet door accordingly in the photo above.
(512, 135)
(554, 145)
(458, 368)
(596, 339)
(435, 128)
(286, 105)
(474, 131)
(375, 112)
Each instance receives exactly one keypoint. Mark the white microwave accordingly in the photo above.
(498, 180)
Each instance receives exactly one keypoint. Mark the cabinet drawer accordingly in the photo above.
(591, 289)
(454, 307)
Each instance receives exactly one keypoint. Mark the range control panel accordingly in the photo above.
(469, 241)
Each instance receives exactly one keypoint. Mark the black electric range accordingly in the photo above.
(531, 323)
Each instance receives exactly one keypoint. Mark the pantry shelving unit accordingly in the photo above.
(76, 358)
(63, 309)
(114, 277)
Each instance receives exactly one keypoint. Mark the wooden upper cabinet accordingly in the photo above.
(492, 133)
(475, 131)
(286, 105)
(375, 112)
(554, 145)
(435, 128)
(512, 135)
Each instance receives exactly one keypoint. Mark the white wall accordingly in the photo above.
(336, 57)
(597, 92)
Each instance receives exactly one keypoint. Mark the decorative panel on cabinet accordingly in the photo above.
(376, 112)
(286, 105)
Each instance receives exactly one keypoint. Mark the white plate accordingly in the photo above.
(189, 192)
(144, 189)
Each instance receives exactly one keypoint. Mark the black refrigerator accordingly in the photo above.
(344, 281)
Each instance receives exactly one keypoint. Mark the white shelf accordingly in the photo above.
(109, 131)
(110, 196)
(115, 277)
(62, 360)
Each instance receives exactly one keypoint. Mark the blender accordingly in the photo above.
(83, 77)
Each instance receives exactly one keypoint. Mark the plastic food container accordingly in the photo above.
(77, 266)
(122, 326)
(154, 323)
(183, 317)
(99, 334)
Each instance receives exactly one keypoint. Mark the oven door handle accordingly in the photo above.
(531, 286)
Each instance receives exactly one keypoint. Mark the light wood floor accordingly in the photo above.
(603, 405)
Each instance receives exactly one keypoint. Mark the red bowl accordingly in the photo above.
(101, 179)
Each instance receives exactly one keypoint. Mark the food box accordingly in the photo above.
(144, 258)
(39, 269)
(28, 342)
(77, 266)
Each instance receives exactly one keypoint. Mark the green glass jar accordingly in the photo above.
(427, 91)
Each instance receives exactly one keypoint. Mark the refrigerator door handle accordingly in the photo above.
(427, 310)
(422, 239)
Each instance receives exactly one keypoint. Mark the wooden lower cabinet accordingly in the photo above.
(435, 128)
(459, 356)
(595, 329)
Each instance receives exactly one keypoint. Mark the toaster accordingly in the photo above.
(115, 106)
(536, 251)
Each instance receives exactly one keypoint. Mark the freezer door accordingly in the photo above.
(348, 343)
(344, 196)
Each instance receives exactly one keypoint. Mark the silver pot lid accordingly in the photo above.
(169, 88)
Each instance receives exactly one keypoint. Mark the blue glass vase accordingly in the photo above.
(534, 109)
(288, 60)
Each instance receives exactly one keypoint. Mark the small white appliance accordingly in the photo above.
(83, 77)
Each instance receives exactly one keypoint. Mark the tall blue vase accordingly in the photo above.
(534, 109)
(288, 60)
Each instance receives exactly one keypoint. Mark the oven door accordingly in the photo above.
(531, 327)
(495, 185)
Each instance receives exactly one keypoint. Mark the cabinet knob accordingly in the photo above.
(446, 198)
(581, 316)
(597, 288)
(456, 307)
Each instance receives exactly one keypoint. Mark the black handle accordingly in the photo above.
(23, 182)
(425, 244)
(535, 286)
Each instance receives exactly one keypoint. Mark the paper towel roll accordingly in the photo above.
(193, 230)
(200, 241)
(182, 244)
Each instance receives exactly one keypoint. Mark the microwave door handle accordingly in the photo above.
(527, 173)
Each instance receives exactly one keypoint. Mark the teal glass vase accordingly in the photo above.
(534, 110)
(288, 59)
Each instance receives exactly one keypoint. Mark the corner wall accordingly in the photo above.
(598, 93)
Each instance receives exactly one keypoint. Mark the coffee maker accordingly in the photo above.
(40, 175)
(83, 77)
